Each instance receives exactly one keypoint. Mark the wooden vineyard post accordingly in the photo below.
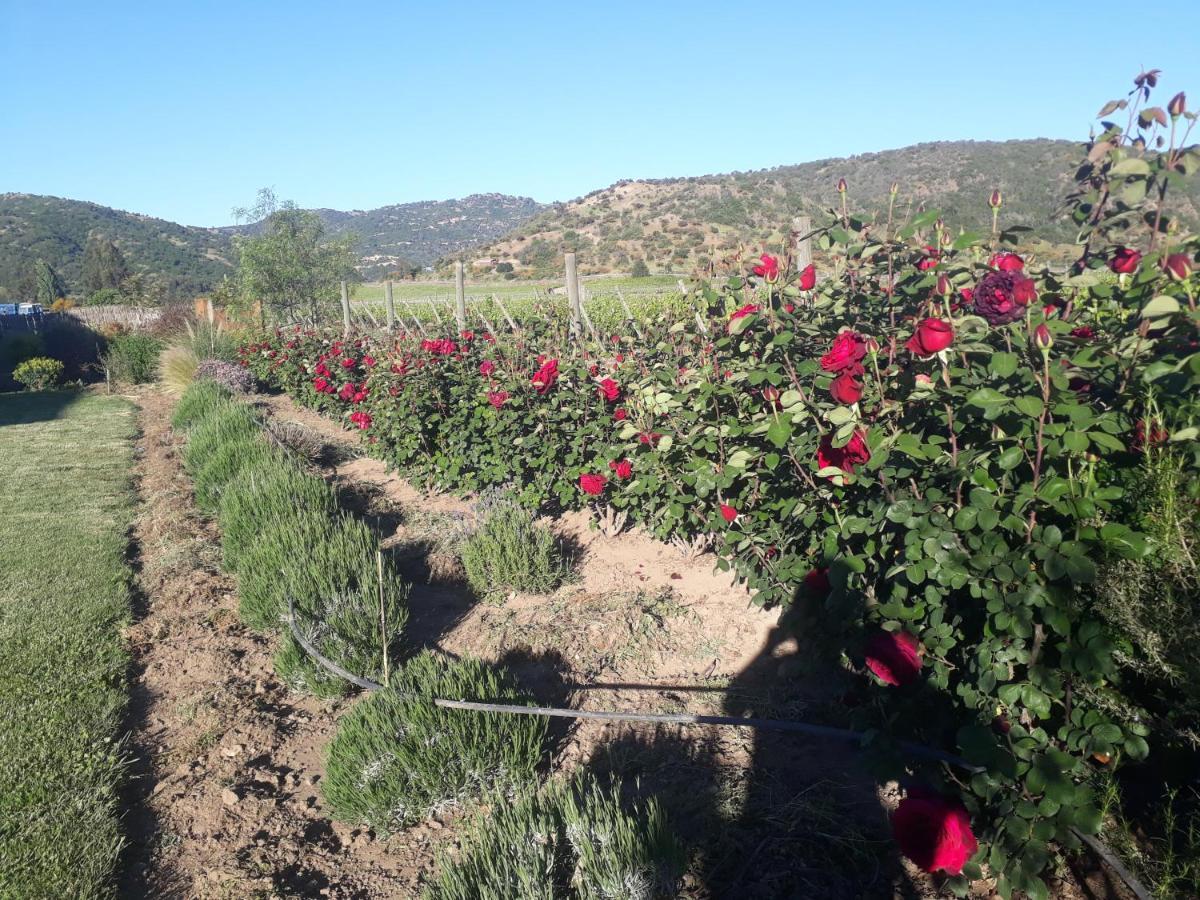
(345, 308)
(629, 315)
(390, 303)
(801, 242)
(460, 296)
(573, 293)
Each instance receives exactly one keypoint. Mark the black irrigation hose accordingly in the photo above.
(821, 731)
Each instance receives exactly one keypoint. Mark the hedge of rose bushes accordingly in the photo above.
(924, 448)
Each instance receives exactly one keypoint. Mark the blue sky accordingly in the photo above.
(183, 110)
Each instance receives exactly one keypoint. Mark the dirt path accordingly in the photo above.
(226, 801)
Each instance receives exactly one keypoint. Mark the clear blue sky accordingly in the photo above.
(184, 109)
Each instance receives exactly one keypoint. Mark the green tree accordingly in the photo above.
(48, 286)
(289, 265)
(640, 270)
(104, 265)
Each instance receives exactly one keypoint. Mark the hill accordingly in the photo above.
(183, 259)
(188, 260)
(681, 223)
(421, 233)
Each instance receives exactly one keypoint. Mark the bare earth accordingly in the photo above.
(226, 800)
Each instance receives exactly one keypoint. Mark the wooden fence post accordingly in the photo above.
(573, 292)
(801, 242)
(460, 296)
(390, 302)
(345, 307)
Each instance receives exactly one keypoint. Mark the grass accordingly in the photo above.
(570, 839)
(64, 597)
(398, 759)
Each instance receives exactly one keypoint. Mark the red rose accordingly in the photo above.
(748, 310)
(771, 395)
(487, 367)
(620, 415)
(855, 453)
(369, 361)
(848, 349)
(728, 513)
(1148, 435)
(934, 832)
(544, 378)
(846, 389)
(349, 363)
(808, 278)
(497, 398)
(649, 438)
(1042, 339)
(767, 267)
(930, 337)
(1125, 261)
(467, 335)
(622, 469)
(610, 390)
(894, 656)
(1007, 262)
(361, 419)
(1178, 265)
(1024, 291)
(929, 260)
(816, 582)
(1084, 333)
(593, 484)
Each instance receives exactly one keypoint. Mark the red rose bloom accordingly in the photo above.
(931, 336)
(728, 513)
(592, 484)
(622, 469)
(816, 582)
(620, 415)
(767, 267)
(487, 367)
(808, 278)
(544, 378)
(929, 260)
(610, 390)
(1125, 261)
(1025, 291)
(650, 438)
(846, 389)
(994, 298)
(1007, 262)
(497, 398)
(855, 453)
(748, 310)
(894, 656)
(934, 832)
(1084, 333)
(361, 419)
(349, 363)
(846, 354)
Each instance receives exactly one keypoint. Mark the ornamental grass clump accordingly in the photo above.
(570, 839)
(398, 759)
(510, 551)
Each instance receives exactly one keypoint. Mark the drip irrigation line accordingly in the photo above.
(919, 751)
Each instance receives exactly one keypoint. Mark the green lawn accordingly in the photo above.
(66, 503)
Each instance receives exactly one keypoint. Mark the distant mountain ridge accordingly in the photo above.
(678, 224)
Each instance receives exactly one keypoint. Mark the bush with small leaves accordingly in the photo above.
(510, 551)
(227, 374)
(39, 373)
(197, 402)
(397, 758)
(570, 839)
(132, 358)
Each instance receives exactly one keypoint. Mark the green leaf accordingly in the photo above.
(1030, 406)
(780, 432)
(1134, 165)
(1160, 306)
(1004, 364)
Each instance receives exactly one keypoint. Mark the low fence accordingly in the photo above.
(126, 316)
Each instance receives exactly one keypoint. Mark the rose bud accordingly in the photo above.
(943, 285)
(1178, 265)
(895, 188)
(1042, 339)
(841, 185)
(995, 199)
(1001, 725)
(1178, 105)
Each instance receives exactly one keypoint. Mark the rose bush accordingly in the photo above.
(927, 450)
